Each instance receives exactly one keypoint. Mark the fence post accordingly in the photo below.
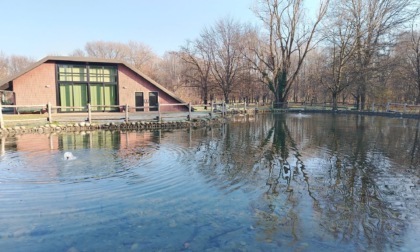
(126, 113)
(159, 114)
(49, 112)
(1, 117)
(189, 111)
(89, 113)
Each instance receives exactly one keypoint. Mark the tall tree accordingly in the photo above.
(375, 21)
(414, 60)
(406, 76)
(340, 48)
(282, 50)
(197, 74)
(224, 46)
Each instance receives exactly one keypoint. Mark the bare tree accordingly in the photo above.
(78, 53)
(406, 76)
(198, 67)
(106, 50)
(170, 71)
(10, 65)
(223, 43)
(414, 60)
(281, 52)
(4, 69)
(341, 45)
(19, 63)
(139, 54)
(375, 21)
(136, 54)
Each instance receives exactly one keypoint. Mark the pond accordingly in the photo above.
(273, 182)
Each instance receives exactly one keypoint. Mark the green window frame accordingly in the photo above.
(72, 73)
(80, 84)
(102, 74)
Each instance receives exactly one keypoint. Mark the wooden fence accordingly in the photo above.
(389, 107)
(50, 113)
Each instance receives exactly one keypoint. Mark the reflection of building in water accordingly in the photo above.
(35, 142)
(32, 144)
(98, 153)
(29, 143)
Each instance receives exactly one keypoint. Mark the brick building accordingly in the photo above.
(75, 82)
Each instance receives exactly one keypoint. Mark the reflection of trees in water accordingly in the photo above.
(352, 186)
(400, 140)
(354, 207)
(260, 156)
(415, 150)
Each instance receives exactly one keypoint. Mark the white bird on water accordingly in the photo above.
(69, 156)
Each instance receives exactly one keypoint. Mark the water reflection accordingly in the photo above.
(354, 184)
(271, 182)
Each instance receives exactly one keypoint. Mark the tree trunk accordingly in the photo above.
(280, 82)
(334, 99)
(226, 96)
(363, 98)
(357, 98)
(418, 90)
(205, 96)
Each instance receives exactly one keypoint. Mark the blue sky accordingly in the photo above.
(37, 28)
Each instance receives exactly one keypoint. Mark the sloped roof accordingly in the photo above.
(5, 82)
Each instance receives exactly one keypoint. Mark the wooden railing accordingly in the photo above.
(97, 112)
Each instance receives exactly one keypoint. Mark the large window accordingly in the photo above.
(83, 84)
(103, 74)
(75, 95)
(72, 73)
(104, 95)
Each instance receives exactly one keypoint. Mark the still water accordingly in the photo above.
(268, 183)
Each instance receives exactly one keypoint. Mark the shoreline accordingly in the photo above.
(84, 126)
(153, 125)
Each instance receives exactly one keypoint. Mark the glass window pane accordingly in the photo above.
(80, 96)
(96, 96)
(110, 96)
(66, 97)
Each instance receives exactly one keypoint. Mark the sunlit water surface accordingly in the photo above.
(265, 183)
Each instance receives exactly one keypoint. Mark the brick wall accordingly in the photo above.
(130, 83)
(37, 86)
